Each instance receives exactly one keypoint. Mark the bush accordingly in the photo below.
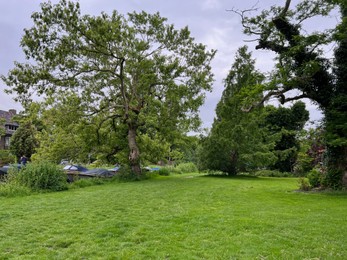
(42, 176)
(333, 179)
(126, 174)
(315, 178)
(304, 184)
(186, 167)
(164, 171)
(6, 157)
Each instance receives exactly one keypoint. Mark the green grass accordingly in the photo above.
(177, 217)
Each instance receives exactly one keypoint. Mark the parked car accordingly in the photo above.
(4, 169)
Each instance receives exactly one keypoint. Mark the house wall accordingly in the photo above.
(9, 127)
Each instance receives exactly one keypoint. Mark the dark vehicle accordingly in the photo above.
(4, 169)
(75, 172)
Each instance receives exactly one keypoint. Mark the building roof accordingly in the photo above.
(8, 115)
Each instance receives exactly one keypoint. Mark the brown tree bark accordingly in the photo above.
(134, 151)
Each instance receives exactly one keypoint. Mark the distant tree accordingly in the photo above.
(23, 141)
(138, 71)
(288, 122)
(301, 66)
(236, 141)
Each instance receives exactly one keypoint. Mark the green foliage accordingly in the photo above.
(42, 176)
(302, 66)
(304, 184)
(6, 157)
(287, 122)
(12, 189)
(2, 128)
(164, 171)
(127, 76)
(237, 142)
(188, 167)
(315, 178)
(24, 141)
(82, 183)
(125, 174)
(333, 179)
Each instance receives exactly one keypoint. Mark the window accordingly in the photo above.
(12, 127)
(7, 141)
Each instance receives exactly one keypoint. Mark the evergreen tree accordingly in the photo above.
(236, 142)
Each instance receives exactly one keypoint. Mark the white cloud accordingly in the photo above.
(211, 4)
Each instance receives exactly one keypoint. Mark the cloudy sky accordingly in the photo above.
(208, 20)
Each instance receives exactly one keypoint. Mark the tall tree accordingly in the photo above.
(236, 141)
(136, 69)
(301, 66)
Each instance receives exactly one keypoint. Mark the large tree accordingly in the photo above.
(236, 141)
(301, 66)
(137, 69)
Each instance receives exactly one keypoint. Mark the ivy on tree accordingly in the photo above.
(301, 66)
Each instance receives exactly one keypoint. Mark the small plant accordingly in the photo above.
(315, 178)
(304, 184)
(6, 157)
(126, 174)
(42, 176)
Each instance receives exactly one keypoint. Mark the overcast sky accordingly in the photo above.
(208, 20)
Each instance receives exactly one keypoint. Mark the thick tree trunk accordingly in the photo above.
(134, 153)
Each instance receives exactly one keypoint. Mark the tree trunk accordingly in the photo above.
(134, 153)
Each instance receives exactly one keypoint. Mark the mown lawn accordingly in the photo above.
(180, 217)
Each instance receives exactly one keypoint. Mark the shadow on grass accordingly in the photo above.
(236, 177)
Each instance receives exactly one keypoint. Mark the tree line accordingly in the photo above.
(127, 89)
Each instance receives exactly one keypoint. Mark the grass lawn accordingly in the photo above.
(177, 217)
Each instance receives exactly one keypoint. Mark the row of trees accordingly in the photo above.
(113, 86)
(248, 140)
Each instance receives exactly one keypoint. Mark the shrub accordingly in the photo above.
(187, 167)
(42, 176)
(315, 178)
(164, 171)
(333, 179)
(126, 174)
(6, 157)
(304, 184)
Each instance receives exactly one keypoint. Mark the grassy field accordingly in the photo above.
(179, 217)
